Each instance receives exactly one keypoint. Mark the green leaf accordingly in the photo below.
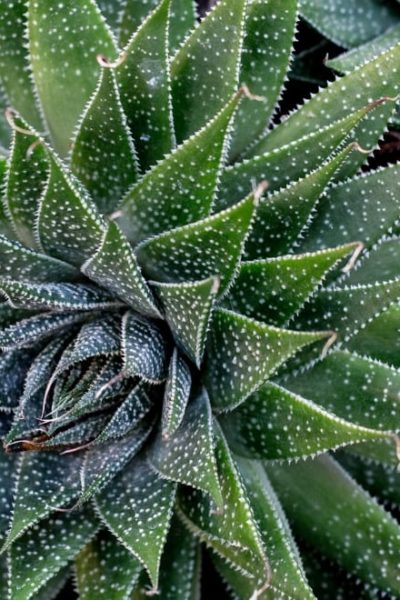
(349, 23)
(31, 330)
(205, 70)
(380, 338)
(143, 348)
(242, 353)
(5, 225)
(14, 73)
(46, 481)
(276, 424)
(144, 84)
(103, 156)
(346, 310)
(330, 582)
(345, 95)
(63, 61)
(54, 296)
(188, 308)
(54, 586)
(45, 549)
(68, 226)
(288, 578)
(96, 338)
(180, 565)
(103, 463)
(114, 267)
(291, 210)
(105, 570)
(355, 58)
(9, 466)
(182, 19)
(326, 506)
(230, 531)
(181, 188)
(127, 416)
(172, 457)
(275, 289)
(267, 47)
(382, 481)
(380, 264)
(26, 179)
(211, 247)
(354, 388)
(287, 164)
(364, 209)
(112, 10)
(21, 264)
(176, 394)
(14, 366)
(137, 508)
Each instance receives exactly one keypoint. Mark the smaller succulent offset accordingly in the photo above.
(192, 300)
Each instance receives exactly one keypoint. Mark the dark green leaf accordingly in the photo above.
(114, 266)
(105, 570)
(182, 19)
(381, 480)
(173, 458)
(355, 58)
(230, 531)
(349, 23)
(63, 60)
(38, 327)
(55, 296)
(14, 74)
(276, 424)
(104, 462)
(21, 264)
(181, 188)
(362, 209)
(127, 416)
(103, 156)
(267, 46)
(188, 308)
(208, 248)
(380, 338)
(137, 507)
(69, 226)
(290, 210)
(205, 70)
(180, 565)
(288, 578)
(176, 395)
(243, 353)
(143, 79)
(275, 289)
(26, 179)
(346, 310)
(284, 165)
(326, 507)
(143, 348)
(337, 100)
(46, 481)
(45, 549)
(354, 388)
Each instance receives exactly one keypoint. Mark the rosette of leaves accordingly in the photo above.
(182, 314)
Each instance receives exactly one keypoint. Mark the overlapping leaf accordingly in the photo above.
(137, 507)
(320, 492)
(243, 353)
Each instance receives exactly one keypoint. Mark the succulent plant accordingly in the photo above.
(200, 308)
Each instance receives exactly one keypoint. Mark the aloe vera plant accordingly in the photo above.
(199, 325)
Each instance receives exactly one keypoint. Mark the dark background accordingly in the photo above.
(309, 73)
